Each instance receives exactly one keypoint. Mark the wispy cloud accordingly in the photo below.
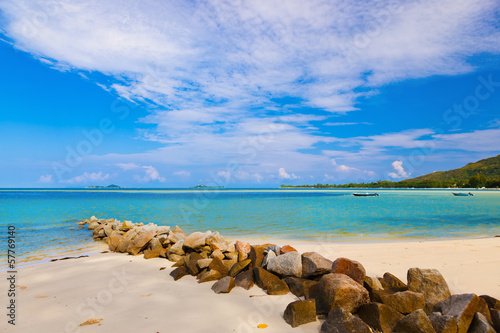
(45, 179)
(87, 178)
(285, 175)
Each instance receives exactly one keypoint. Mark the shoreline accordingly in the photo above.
(50, 301)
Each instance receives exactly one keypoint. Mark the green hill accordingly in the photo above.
(489, 168)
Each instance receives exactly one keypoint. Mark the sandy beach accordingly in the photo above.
(131, 294)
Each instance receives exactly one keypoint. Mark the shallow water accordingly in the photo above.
(45, 220)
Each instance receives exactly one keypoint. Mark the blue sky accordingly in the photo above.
(245, 93)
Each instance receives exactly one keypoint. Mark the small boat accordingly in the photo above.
(462, 194)
(366, 194)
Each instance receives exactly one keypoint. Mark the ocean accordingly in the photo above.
(46, 220)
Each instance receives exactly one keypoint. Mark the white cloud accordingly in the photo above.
(182, 173)
(127, 166)
(45, 179)
(87, 178)
(151, 174)
(284, 175)
(400, 171)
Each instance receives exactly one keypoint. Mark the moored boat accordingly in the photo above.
(366, 194)
(462, 194)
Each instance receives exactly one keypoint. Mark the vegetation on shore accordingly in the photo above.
(484, 173)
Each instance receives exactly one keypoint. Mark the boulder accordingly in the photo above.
(338, 291)
(379, 316)
(217, 254)
(443, 323)
(482, 308)
(242, 256)
(127, 240)
(404, 301)
(218, 246)
(286, 249)
(394, 283)
(178, 232)
(179, 272)
(215, 237)
(351, 268)
(288, 264)
(342, 321)
(244, 280)
(92, 225)
(126, 225)
(196, 240)
(108, 229)
(492, 302)
(371, 284)
(141, 240)
(155, 244)
(263, 278)
(278, 287)
(149, 254)
(269, 255)
(300, 312)
(224, 285)
(238, 267)
(242, 247)
(162, 230)
(495, 318)
(180, 262)
(192, 263)
(415, 322)
(217, 265)
(177, 248)
(257, 254)
(229, 263)
(175, 257)
(462, 307)
(480, 324)
(314, 264)
(429, 282)
(114, 242)
(275, 248)
(231, 255)
(203, 263)
(298, 285)
(211, 275)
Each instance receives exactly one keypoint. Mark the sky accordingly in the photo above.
(245, 93)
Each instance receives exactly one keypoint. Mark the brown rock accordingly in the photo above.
(149, 254)
(219, 246)
(404, 301)
(314, 264)
(415, 322)
(127, 240)
(229, 263)
(351, 268)
(338, 291)
(371, 283)
(162, 230)
(495, 318)
(429, 282)
(492, 302)
(300, 312)
(480, 325)
(244, 280)
(394, 283)
(217, 265)
(462, 307)
(298, 285)
(140, 242)
(178, 232)
(202, 263)
(108, 229)
(196, 240)
(212, 275)
(177, 248)
(179, 263)
(192, 263)
(378, 295)
(242, 256)
(126, 225)
(443, 323)
(155, 244)
(231, 255)
(482, 308)
(114, 242)
(286, 249)
(224, 285)
(163, 253)
(379, 316)
(242, 247)
(257, 254)
(278, 287)
(179, 272)
(342, 321)
(214, 237)
(175, 257)
(263, 278)
(238, 267)
(217, 254)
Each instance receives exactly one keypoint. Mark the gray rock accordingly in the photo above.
(288, 264)
(429, 282)
(379, 316)
(244, 280)
(495, 318)
(300, 312)
(443, 323)
(463, 307)
(314, 264)
(480, 324)
(338, 291)
(342, 321)
(268, 256)
(224, 285)
(415, 322)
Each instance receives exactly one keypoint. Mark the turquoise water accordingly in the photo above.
(45, 220)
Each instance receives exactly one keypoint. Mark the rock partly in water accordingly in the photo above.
(429, 282)
(379, 316)
(224, 285)
(351, 268)
(338, 291)
(415, 322)
(443, 323)
(342, 321)
(288, 264)
(314, 264)
(462, 307)
(404, 301)
(300, 312)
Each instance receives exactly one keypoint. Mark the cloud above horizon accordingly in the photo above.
(211, 74)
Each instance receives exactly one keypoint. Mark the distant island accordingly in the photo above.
(484, 173)
(205, 187)
(112, 186)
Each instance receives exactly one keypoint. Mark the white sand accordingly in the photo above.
(131, 294)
